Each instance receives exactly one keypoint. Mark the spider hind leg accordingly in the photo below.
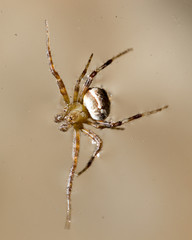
(105, 124)
(99, 144)
(76, 146)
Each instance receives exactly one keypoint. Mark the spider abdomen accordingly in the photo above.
(97, 103)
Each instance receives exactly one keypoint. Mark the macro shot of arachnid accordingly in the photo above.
(90, 106)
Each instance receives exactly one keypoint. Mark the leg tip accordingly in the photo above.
(166, 106)
(67, 225)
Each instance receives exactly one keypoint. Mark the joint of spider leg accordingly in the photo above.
(55, 74)
(93, 74)
(139, 115)
(106, 64)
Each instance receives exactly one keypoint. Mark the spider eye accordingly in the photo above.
(69, 118)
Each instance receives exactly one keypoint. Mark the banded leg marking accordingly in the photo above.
(76, 89)
(75, 153)
(60, 83)
(99, 144)
(95, 72)
(105, 124)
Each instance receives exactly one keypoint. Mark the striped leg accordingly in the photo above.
(76, 89)
(94, 73)
(105, 124)
(60, 83)
(99, 144)
(75, 153)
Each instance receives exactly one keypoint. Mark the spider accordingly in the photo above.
(89, 106)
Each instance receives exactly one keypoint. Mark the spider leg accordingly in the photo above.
(75, 154)
(99, 144)
(60, 83)
(97, 70)
(76, 89)
(105, 124)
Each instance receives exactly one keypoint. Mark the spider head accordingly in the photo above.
(75, 113)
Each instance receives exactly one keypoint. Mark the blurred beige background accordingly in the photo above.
(141, 186)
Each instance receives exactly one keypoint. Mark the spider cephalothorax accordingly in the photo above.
(91, 106)
(74, 113)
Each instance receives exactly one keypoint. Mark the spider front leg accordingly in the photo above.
(60, 83)
(94, 73)
(105, 124)
(99, 144)
(75, 153)
(76, 89)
